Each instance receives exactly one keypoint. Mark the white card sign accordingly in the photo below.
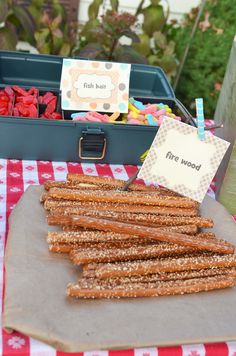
(95, 86)
(182, 162)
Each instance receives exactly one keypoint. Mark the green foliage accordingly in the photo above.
(16, 21)
(155, 41)
(100, 39)
(205, 66)
(52, 35)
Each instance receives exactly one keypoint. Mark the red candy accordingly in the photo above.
(26, 103)
(6, 101)
(20, 102)
(19, 91)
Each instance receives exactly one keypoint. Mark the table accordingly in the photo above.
(15, 177)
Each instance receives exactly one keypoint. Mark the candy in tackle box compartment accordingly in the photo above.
(7, 99)
(23, 102)
(142, 111)
(50, 105)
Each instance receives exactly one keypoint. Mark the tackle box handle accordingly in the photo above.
(92, 145)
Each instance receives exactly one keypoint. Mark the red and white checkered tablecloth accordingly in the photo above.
(15, 177)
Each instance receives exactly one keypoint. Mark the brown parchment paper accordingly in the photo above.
(36, 303)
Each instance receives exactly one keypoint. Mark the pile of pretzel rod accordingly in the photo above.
(144, 242)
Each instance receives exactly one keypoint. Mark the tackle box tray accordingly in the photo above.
(67, 140)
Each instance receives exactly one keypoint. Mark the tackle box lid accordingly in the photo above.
(44, 72)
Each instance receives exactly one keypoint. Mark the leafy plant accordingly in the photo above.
(100, 38)
(155, 41)
(205, 66)
(52, 35)
(14, 22)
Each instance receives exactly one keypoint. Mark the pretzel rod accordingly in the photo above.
(134, 290)
(116, 184)
(206, 235)
(89, 255)
(148, 232)
(161, 221)
(90, 273)
(126, 269)
(184, 229)
(92, 267)
(54, 184)
(125, 215)
(122, 197)
(86, 236)
(61, 247)
(123, 209)
(67, 248)
(166, 220)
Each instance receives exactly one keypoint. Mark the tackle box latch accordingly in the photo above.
(92, 144)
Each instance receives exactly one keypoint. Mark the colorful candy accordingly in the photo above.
(139, 114)
(148, 114)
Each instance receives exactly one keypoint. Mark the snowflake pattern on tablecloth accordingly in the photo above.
(31, 182)
(16, 342)
(46, 175)
(193, 353)
(89, 170)
(60, 169)
(14, 174)
(29, 168)
(118, 170)
(15, 190)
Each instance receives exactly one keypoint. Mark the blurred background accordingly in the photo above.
(190, 40)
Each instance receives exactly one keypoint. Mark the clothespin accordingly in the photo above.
(200, 119)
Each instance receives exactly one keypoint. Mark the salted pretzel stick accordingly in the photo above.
(183, 229)
(86, 236)
(134, 290)
(122, 197)
(89, 255)
(166, 220)
(126, 269)
(147, 232)
(125, 209)
(116, 184)
(125, 215)
(54, 184)
(61, 247)
(178, 221)
(110, 186)
(66, 248)
(162, 276)
(206, 235)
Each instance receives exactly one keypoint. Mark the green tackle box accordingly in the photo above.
(67, 140)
